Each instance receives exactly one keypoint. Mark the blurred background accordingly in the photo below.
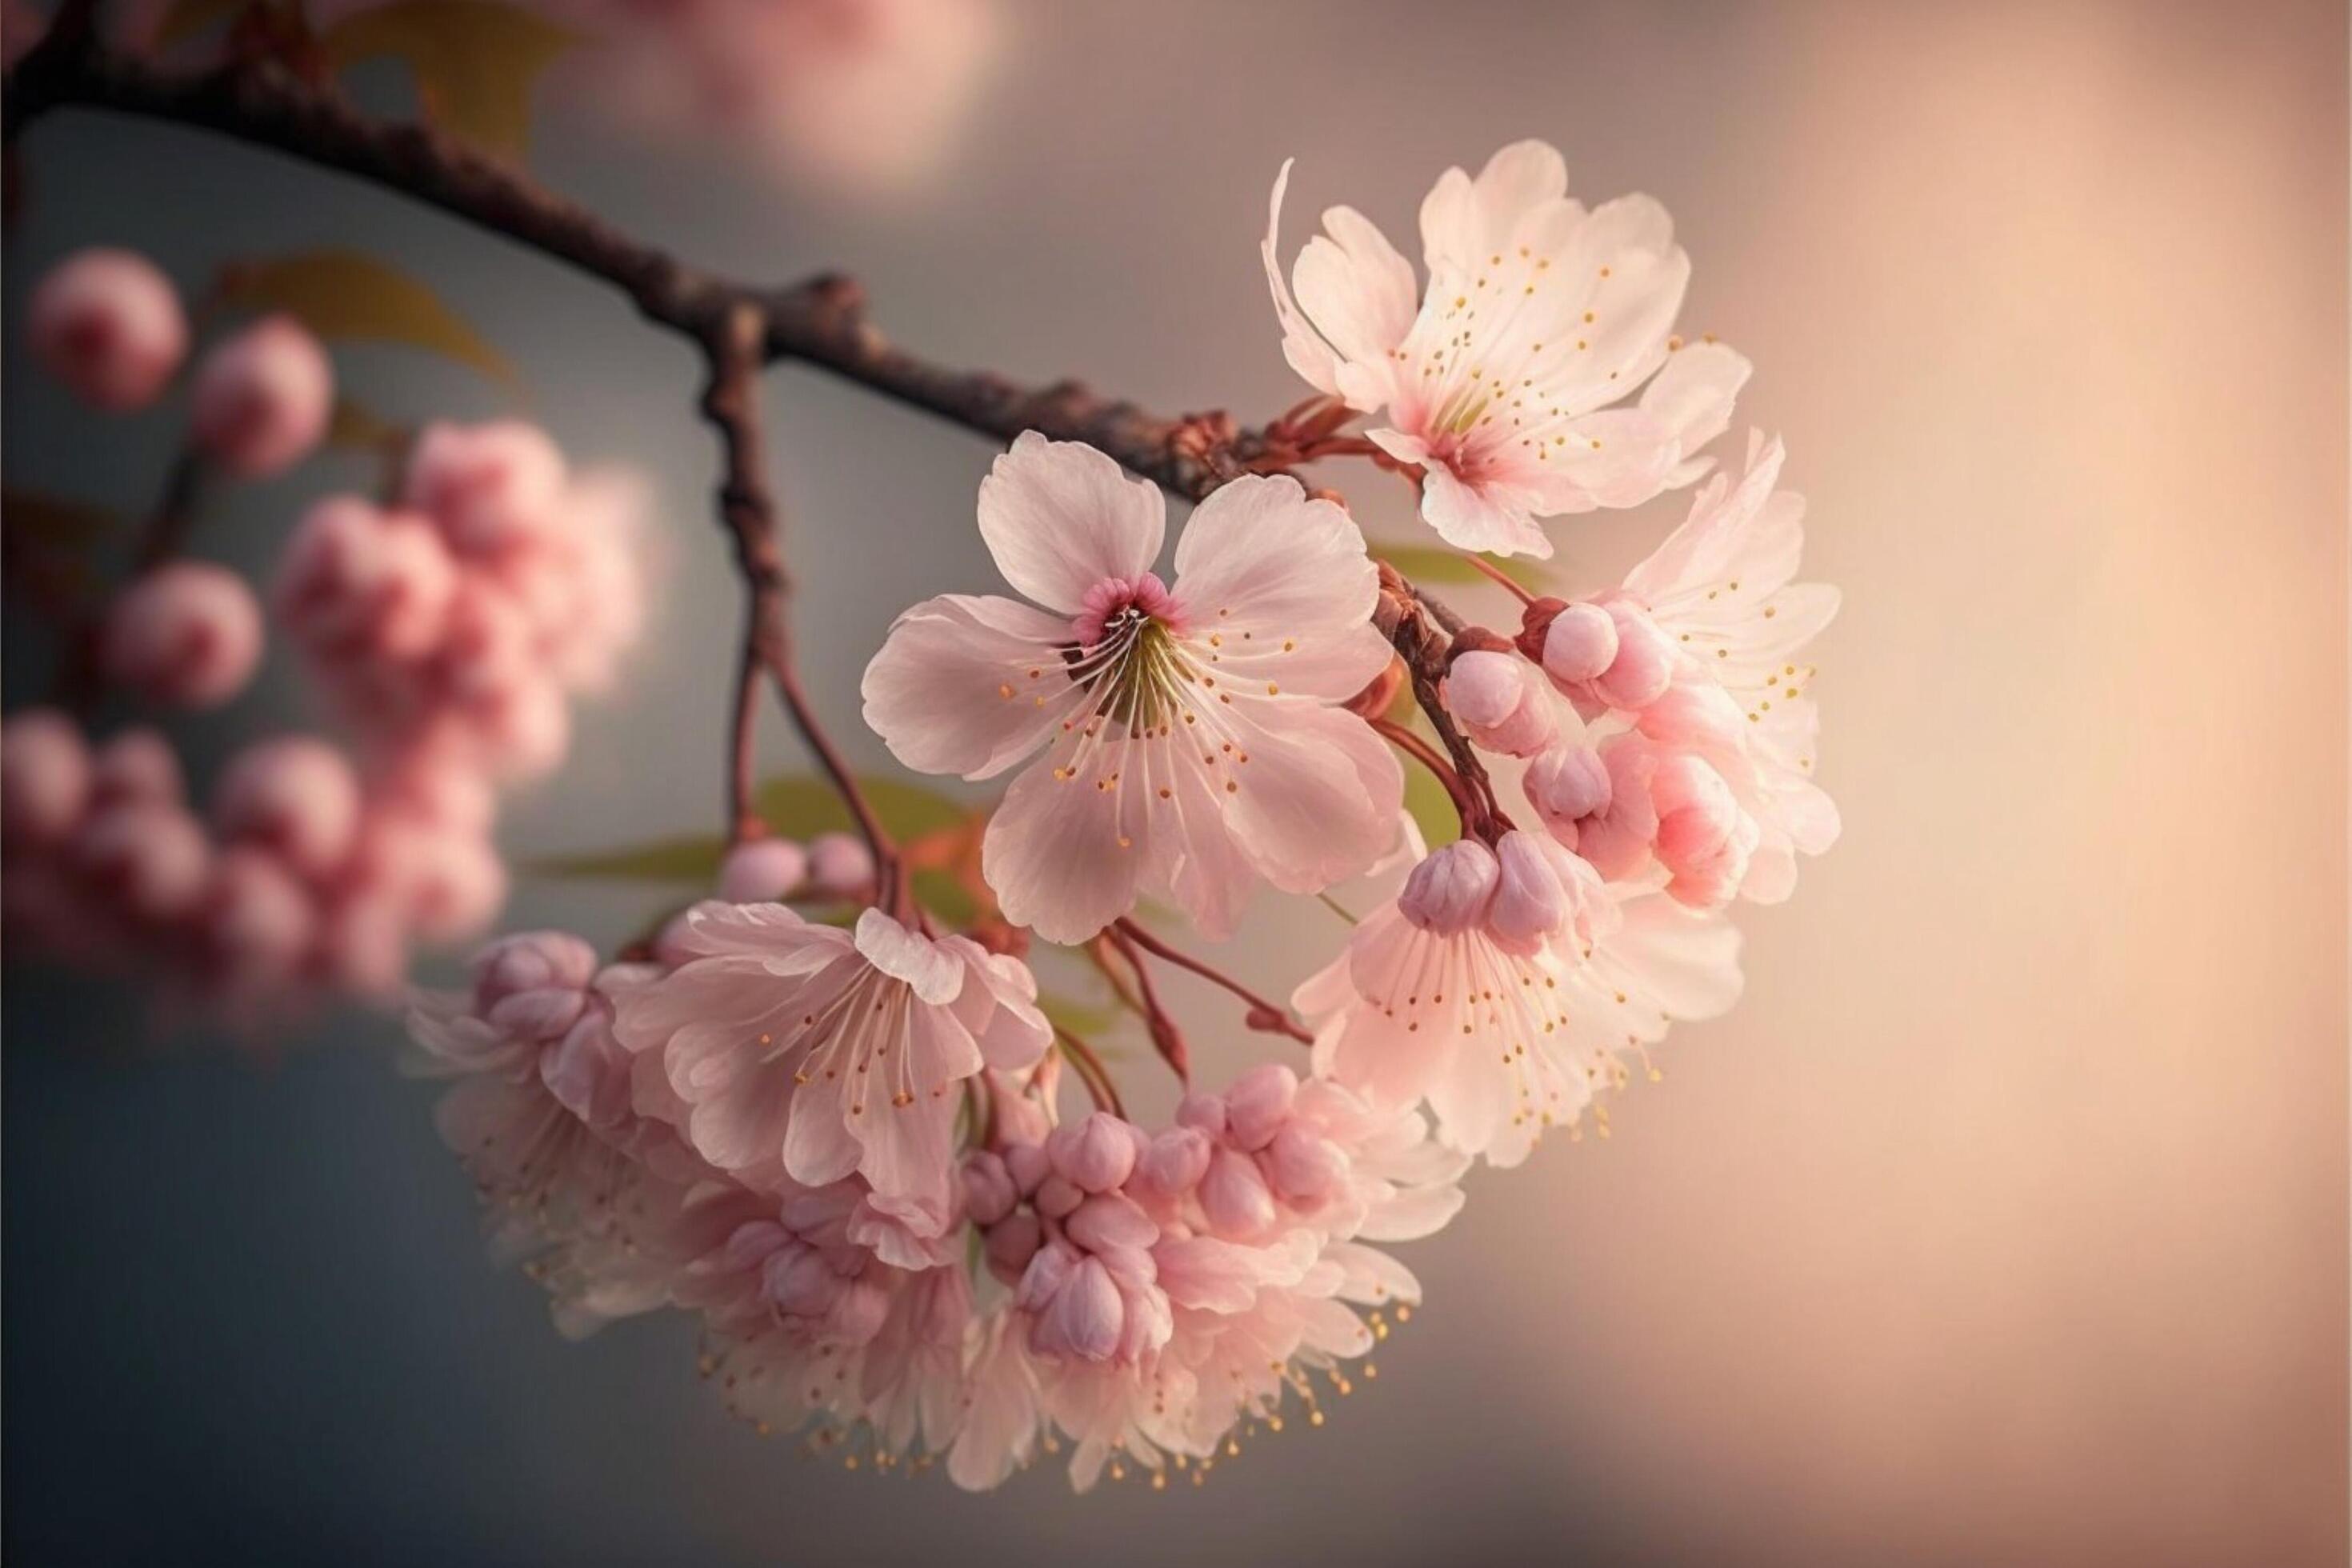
(2005, 1220)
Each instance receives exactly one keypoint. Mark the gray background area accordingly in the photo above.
(2004, 1222)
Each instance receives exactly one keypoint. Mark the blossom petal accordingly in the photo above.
(1060, 517)
(968, 685)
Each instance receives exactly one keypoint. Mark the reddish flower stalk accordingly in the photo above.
(1091, 1072)
(1166, 1038)
(1268, 1016)
(1502, 577)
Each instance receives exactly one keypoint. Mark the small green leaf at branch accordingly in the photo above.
(475, 62)
(347, 295)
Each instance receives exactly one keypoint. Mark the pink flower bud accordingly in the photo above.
(1645, 664)
(1202, 1110)
(521, 728)
(45, 777)
(1027, 1165)
(108, 325)
(137, 764)
(1095, 1155)
(989, 1193)
(296, 795)
(761, 871)
(263, 397)
(1580, 643)
(840, 865)
(151, 861)
(1448, 893)
(1483, 688)
(1110, 1220)
(1567, 782)
(1057, 1196)
(1175, 1162)
(186, 634)
(1304, 1166)
(450, 883)
(1087, 1315)
(1258, 1103)
(587, 1071)
(359, 581)
(442, 794)
(365, 953)
(258, 919)
(489, 488)
(1235, 1197)
(1531, 906)
(1011, 1244)
(530, 961)
(1696, 812)
(1696, 713)
(1616, 839)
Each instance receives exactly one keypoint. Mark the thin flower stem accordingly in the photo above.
(1278, 1019)
(1091, 1072)
(160, 540)
(1166, 1038)
(747, 509)
(1501, 577)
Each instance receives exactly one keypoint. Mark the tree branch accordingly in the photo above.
(821, 321)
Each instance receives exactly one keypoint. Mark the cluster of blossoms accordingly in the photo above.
(458, 621)
(448, 633)
(847, 1151)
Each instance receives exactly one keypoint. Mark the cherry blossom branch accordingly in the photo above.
(748, 508)
(820, 321)
(1266, 1016)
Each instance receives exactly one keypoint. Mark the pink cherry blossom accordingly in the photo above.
(150, 861)
(840, 865)
(186, 634)
(296, 795)
(1503, 379)
(820, 1052)
(263, 398)
(108, 325)
(490, 489)
(1720, 587)
(1194, 741)
(1457, 1005)
(358, 581)
(137, 763)
(45, 776)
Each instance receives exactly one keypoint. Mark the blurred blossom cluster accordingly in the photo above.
(447, 631)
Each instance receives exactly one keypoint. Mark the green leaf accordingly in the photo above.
(692, 860)
(1079, 1018)
(357, 427)
(348, 295)
(475, 61)
(1432, 807)
(54, 520)
(800, 806)
(1430, 563)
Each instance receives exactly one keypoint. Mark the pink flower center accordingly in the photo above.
(1122, 605)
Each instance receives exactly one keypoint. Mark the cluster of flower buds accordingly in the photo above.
(837, 865)
(458, 621)
(299, 881)
(449, 631)
(1156, 1293)
(109, 326)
